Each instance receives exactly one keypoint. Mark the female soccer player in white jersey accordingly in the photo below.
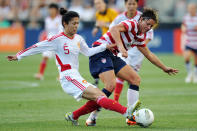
(129, 33)
(189, 29)
(52, 26)
(67, 46)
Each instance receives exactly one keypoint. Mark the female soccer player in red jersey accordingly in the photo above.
(189, 30)
(129, 33)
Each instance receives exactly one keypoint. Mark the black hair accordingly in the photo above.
(67, 15)
(53, 5)
(149, 13)
(125, 1)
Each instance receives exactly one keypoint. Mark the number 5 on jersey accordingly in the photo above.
(66, 50)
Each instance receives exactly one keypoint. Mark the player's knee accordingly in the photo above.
(98, 95)
(135, 80)
(110, 86)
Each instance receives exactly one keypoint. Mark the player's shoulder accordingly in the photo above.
(78, 37)
(122, 16)
(56, 37)
(139, 12)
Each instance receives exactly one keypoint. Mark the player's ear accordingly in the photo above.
(64, 24)
(140, 19)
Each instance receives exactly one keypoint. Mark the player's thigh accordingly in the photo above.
(92, 93)
(129, 74)
(109, 80)
(195, 57)
(187, 54)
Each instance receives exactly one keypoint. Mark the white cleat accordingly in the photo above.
(131, 109)
(69, 117)
(39, 76)
(189, 78)
(91, 121)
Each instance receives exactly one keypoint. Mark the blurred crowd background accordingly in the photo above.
(31, 13)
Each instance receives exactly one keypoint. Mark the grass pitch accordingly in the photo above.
(29, 104)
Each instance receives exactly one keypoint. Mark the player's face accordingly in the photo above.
(192, 9)
(53, 12)
(146, 25)
(100, 5)
(131, 6)
(72, 26)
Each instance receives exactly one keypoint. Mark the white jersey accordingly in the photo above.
(135, 57)
(190, 23)
(66, 50)
(53, 26)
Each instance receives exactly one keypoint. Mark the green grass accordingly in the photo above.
(28, 104)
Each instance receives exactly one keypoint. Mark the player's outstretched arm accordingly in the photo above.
(156, 61)
(115, 32)
(12, 58)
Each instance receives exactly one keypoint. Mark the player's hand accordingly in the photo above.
(123, 52)
(94, 31)
(171, 71)
(12, 58)
(111, 47)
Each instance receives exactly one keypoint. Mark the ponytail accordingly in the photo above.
(67, 15)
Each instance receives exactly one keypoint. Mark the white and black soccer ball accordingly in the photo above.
(144, 117)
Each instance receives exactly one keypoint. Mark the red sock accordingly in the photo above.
(42, 67)
(85, 109)
(118, 89)
(111, 105)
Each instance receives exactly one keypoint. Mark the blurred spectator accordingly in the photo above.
(17, 24)
(33, 24)
(179, 10)
(43, 10)
(76, 5)
(141, 4)
(3, 23)
(4, 7)
(23, 11)
(88, 13)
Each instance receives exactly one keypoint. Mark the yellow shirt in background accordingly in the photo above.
(108, 17)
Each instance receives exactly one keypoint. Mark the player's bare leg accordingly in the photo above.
(127, 73)
(109, 80)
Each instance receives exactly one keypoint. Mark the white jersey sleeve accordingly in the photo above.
(116, 21)
(85, 50)
(37, 48)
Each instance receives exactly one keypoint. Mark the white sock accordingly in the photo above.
(132, 96)
(188, 67)
(93, 115)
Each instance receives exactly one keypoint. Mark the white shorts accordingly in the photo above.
(48, 54)
(134, 59)
(74, 84)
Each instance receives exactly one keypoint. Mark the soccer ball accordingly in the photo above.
(144, 117)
